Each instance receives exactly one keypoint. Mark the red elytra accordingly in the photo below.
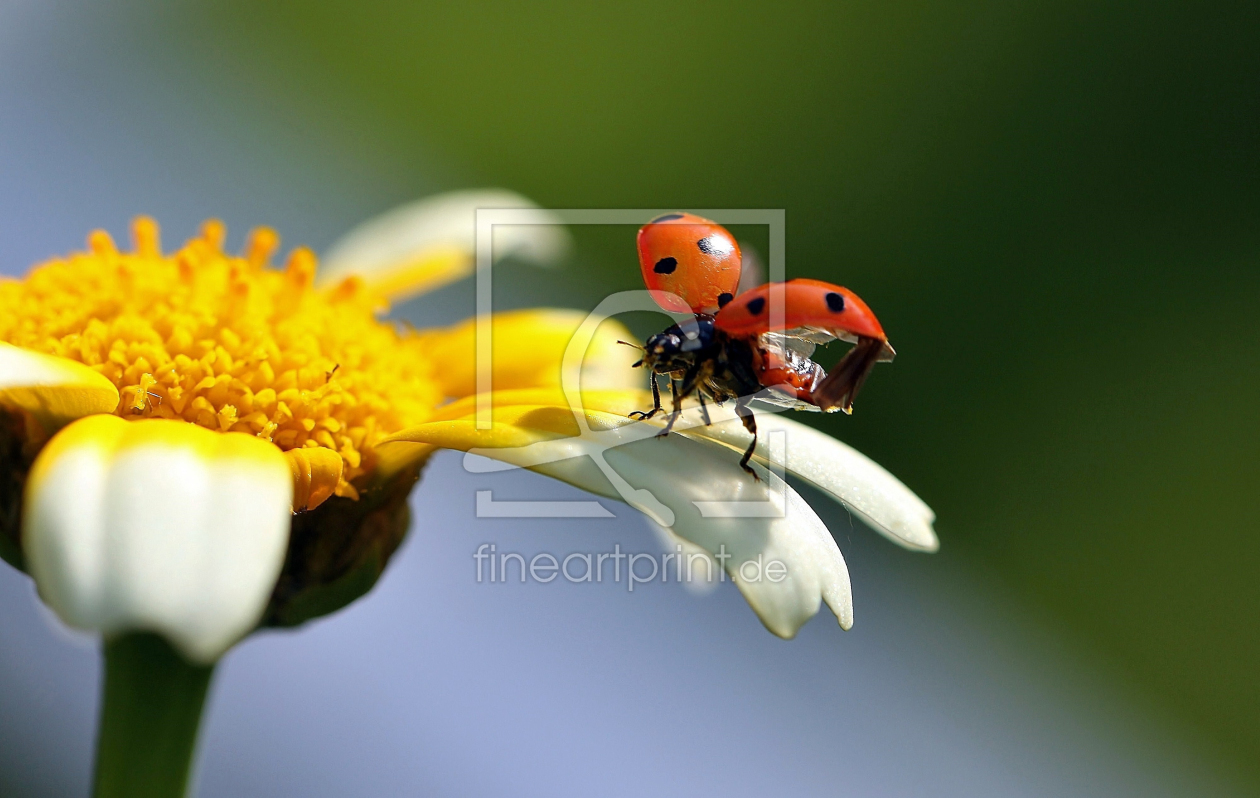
(811, 304)
(691, 257)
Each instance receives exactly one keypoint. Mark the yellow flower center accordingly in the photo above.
(225, 342)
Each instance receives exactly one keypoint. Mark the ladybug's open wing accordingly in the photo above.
(811, 312)
(809, 307)
(838, 390)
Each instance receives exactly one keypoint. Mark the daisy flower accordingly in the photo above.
(196, 443)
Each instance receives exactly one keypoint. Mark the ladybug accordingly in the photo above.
(754, 345)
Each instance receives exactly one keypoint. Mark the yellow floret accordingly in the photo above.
(227, 343)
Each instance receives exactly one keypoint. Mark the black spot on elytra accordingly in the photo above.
(835, 302)
(669, 217)
(755, 306)
(724, 299)
(665, 266)
(706, 246)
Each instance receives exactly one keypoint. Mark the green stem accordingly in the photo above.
(151, 709)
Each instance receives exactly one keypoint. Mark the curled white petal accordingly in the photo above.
(672, 478)
(881, 500)
(424, 244)
(158, 526)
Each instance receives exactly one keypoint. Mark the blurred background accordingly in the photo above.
(1051, 205)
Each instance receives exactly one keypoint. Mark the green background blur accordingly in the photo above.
(1052, 206)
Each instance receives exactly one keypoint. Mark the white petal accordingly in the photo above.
(666, 478)
(703, 577)
(160, 526)
(434, 241)
(864, 486)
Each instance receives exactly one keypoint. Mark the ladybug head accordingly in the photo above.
(677, 347)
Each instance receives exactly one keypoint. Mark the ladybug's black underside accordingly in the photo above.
(700, 359)
(703, 359)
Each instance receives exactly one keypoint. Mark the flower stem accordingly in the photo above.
(151, 709)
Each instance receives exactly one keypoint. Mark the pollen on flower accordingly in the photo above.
(226, 342)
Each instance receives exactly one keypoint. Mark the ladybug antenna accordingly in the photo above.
(636, 346)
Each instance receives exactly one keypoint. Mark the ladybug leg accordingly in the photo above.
(750, 423)
(656, 402)
(677, 411)
(704, 409)
(681, 389)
